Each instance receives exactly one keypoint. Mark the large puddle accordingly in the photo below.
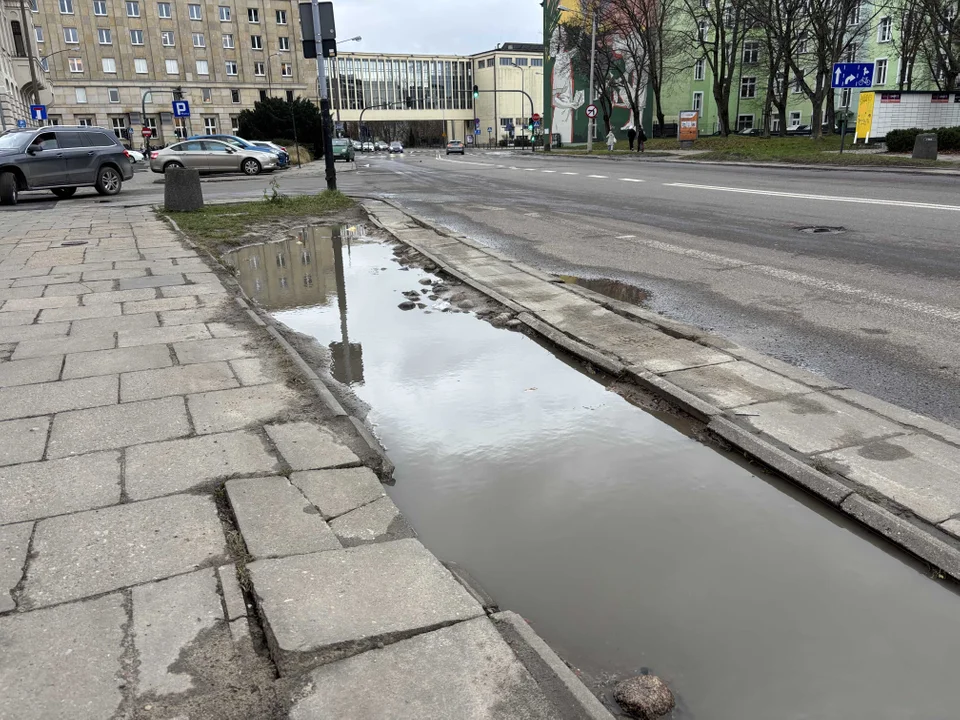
(625, 543)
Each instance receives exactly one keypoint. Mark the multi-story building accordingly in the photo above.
(118, 63)
(17, 53)
(506, 76)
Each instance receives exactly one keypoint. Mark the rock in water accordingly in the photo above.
(646, 697)
(406, 305)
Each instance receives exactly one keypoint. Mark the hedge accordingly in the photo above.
(948, 138)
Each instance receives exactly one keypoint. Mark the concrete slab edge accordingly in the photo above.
(686, 401)
(571, 698)
(472, 586)
(604, 362)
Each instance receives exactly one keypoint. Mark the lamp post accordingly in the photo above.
(523, 90)
(336, 63)
(270, 73)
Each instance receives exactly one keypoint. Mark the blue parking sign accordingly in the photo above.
(21, 123)
(181, 108)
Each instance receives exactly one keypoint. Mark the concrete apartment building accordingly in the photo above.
(16, 88)
(506, 70)
(100, 56)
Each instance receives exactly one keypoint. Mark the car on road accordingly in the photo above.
(283, 156)
(368, 147)
(238, 142)
(61, 158)
(396, 147)
(136, 157)
(357, 146)
(213, 156)
(455, 146)
(380, 146)
(343, 150)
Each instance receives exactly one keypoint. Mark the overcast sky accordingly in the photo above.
(448, 27)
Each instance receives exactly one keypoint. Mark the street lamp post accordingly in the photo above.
(336, 63)
(523, 90)
(270, 73)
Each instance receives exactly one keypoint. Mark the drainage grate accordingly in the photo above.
(823, 230)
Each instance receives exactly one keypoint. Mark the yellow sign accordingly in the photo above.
(864, 116)
(688, 130)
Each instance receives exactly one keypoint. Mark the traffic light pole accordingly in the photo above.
(522, 92)
(326, 121)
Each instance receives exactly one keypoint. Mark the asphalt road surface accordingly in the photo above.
(873, 303)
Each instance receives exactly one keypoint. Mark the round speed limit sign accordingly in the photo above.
(591, 111)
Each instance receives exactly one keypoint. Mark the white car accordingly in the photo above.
(136, 157)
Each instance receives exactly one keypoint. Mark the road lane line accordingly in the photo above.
(831, 198)
(631, 180)
(464, 162)
(601, 177)
(571, 173)
(548, 171)
(530, 169)
(625, 237)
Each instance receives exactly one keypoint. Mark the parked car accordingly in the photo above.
(380, 146)
(213, 156)
(343, 150)
(239, 142)
(751, 132)
(799, 130)
(357, 146)
(61, 159)
(396, 147)
(367, 147)
(283, 157)
(455, 146)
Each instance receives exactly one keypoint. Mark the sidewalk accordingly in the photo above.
(894, 471)
(187, 531)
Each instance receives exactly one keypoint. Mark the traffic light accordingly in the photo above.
(476, 92)
(530, 124)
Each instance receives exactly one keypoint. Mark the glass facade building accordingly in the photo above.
(359, 81)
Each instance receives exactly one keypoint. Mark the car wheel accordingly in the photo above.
(109, 181)
(250, 167)
(64, 193)
(172, 164)
(8, 189)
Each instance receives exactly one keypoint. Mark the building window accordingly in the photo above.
(258, 68)
(256, 42)
(119, 127)
(880, 72)
(235, 124)
(206, 95)
(210, 125)
(225, 13)
(38, 32)
(751, 52)
(163, 10)
(173, 67)
(228, 41)
(100, 8)
(231, 67)
(66, 7)
(104, 36)
(33, 6)
(845, 96)
(480, 64)
(855, 15)
(506, 122)
(166, 38)
(234, 94)
(797, 84)
(45, 64)
(283, 43)
(136, 37)
(140, 66)
(289, 95)
(522, 61)
(281, 17)
(703, 27)
(70, 36)
(536, 62)
(113, 95)
(199, 40)
(506, 61)
(885, 30)
(744, 122)
(109, 65)
(699, 68)
(203, 67)
(81, 95)
(194, 12)
(286, 70)
(263, 94)
(698, 102)
(253, 15)
(795, 118)
(133, 8)
(748, 87)
(76, 65)
(851, 53)
(802, 43)
(85, 121)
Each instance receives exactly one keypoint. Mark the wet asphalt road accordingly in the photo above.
(874, 306)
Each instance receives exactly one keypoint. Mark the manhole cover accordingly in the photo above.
(823, 230)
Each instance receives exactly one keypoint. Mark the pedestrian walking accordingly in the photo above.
(631, 136)
(611, 141)
(641, 139)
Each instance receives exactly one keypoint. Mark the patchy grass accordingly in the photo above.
(218, 226)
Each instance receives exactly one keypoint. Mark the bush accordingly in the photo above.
(298, 151)
(948, 139)
(521, 141)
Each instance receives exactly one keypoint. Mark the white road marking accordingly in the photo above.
(816, 283)
(601, 177)
(571, 173)
(514, 168)
(397, 172)
(831, 198)
(625, 237)
(631, 180)
(530, 169)
(464, 162)
(548, 171)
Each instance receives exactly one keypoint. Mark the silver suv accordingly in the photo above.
(61, 158)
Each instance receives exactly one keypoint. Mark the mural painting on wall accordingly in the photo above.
(566, 100)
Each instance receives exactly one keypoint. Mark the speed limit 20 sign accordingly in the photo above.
(591, 111)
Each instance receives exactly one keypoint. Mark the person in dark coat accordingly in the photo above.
(631, 136)
(641, 139)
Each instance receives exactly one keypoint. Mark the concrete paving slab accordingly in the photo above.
(51, 279)
(119, 296)
(83, 312)
(336, 492)
(234, 604)
(151, 281)
(177, 380)
(734, 384)
(179, 465)
(23, 440)
(14, 543)
(18, 317)
(76, 288)
(64, 345)
(818, 423)
(26, 372)
(150, 336)
(167, 617)
(59, 256)
(188, 317)
(920, 473)
(224, 410)
(350, 600)
(101, 550)
(114, 324)
(900, 415)
(116, 426)
(380, 521)
(159, 305)
(213, 350)
(110, 274)
(63, 663)
(52, 397)
(117, 360)
(276, 520)
(21, 333)
(40, 303)
(20, 292)
(251, 371)
(306, 446)
(211, 288)
(222, 330)
(465, 671)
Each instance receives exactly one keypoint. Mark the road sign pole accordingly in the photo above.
(326, 121)
(591, 123)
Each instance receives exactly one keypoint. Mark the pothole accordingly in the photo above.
(616, 289)
(823, 229)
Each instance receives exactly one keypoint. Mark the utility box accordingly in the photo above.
(181, 190)
(925, 147)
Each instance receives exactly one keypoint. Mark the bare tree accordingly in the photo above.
(913, 26)
(940, 47)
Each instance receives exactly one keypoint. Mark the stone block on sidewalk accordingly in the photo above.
(64, 345)
(178, 380)
(53, 397)
(63, 663)
(380, 521)
(735, 383)
(151, 281)
(306, 446)
(123, 323)
(22, 333)
(347, 601)
(466, 671)
(23, 440)
(153, 335)
(225, 410)
(14, 541)
(94, 552)
(213, 350)
(276, 520)
(27, 372)
(336, 492)
(84, 312)
(179, 465)
(234, 604)
(118, 360)
(167, 618)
